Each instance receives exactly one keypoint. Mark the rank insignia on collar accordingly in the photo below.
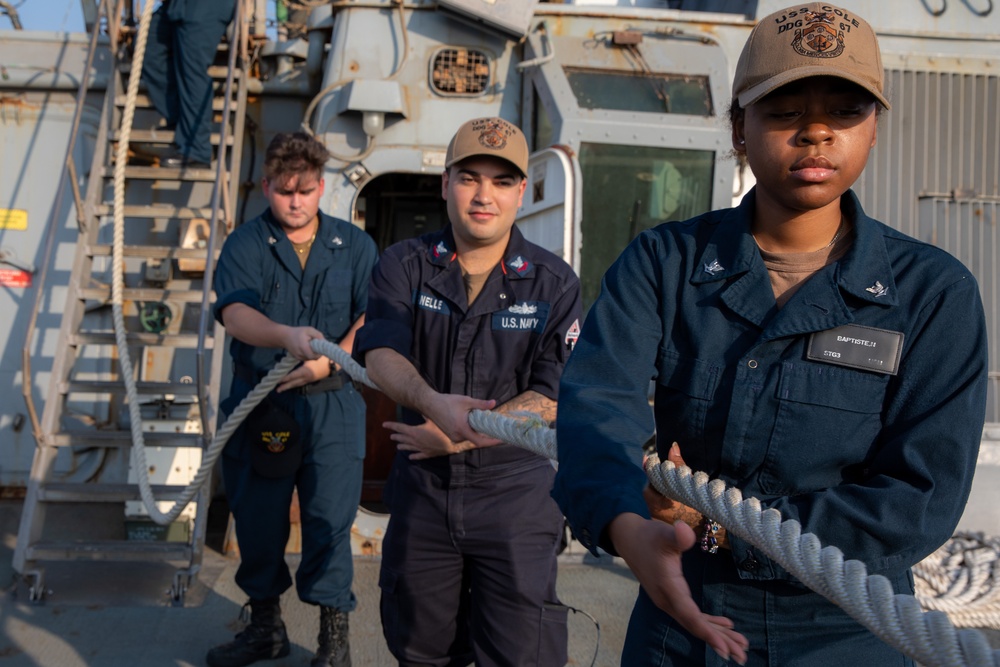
(877, 289)
(440, 249)
(519, 264)
(713, 268)
(336, 240)
(271, 240)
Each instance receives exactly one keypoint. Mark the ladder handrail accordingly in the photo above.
(68, 174)
(237, 45)
(89, 219)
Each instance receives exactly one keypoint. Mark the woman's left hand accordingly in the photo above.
(670, 511)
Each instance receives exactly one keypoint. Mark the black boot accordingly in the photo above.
(264, 639)
(334, 649)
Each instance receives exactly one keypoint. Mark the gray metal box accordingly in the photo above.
(511, 17)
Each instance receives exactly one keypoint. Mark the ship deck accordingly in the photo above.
(120, 615)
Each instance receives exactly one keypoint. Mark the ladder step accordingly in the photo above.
(103, 294)
(214, 71)
(158, 211)
(109, 550)
(147, 339)
(222, 72)
(143, 102)
(163, 174)
(163, 137)
(115, 387)
(103, 493)
(122, 439)
(149, 252)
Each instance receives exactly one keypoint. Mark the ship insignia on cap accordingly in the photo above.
(818, 39)
(493, 137)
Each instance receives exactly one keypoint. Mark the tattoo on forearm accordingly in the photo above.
(531, 401)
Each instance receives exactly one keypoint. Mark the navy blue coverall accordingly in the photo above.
(183, 39)
(469, 557)
(878, 465)
(259, 267)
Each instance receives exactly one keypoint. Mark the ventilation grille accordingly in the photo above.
(460, 71)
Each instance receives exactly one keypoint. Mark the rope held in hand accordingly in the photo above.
(898, 620)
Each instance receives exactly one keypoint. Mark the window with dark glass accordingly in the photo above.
(628, 189)
(647, 92)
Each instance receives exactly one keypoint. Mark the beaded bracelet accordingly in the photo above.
(709, 543)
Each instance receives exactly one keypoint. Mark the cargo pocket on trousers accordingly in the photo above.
(389, 604)
(552, 636)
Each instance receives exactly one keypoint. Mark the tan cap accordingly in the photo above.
(490, 137)
(815, 39)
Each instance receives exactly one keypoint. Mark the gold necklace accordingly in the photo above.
(840, 229)
(836, 236)
(302, 247)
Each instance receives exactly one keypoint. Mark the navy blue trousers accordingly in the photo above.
(469, 565)
(329, 487)
(183, 39)
(787, 624)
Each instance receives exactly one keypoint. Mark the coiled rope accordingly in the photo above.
(962, 579)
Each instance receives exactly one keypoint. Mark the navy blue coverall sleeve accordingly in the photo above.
(238, 277)
(556, 344)
(364, 265)
(604, 416)
(897, 499)
(390, 304)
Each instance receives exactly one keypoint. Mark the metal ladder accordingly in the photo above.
(170, 251)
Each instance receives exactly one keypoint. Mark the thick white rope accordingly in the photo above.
(898, 620)
(139, 464)
(214, 449)
(962, 579)
(928, 637)
(970, 595)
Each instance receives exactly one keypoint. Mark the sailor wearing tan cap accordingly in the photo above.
(801, 351)
(471, 317)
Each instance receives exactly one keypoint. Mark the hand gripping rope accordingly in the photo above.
(898, 620)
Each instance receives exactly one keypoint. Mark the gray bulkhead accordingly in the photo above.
(635, 95)
(37, 97)
(638, 97)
